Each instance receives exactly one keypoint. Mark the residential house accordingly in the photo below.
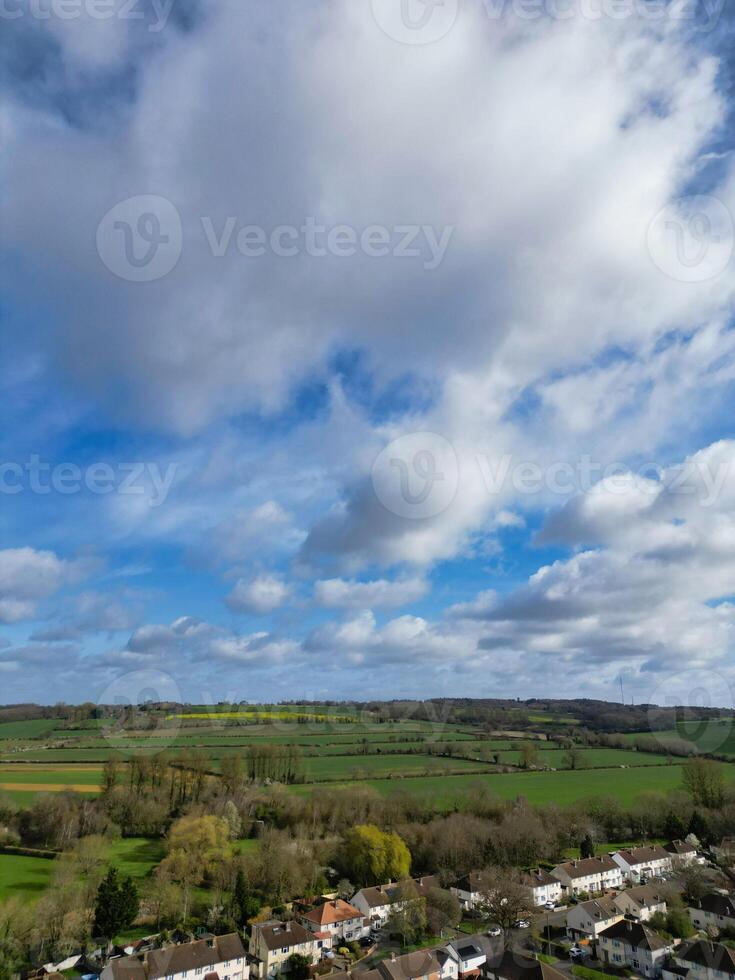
(683, 853)
(631, 944)
(470, 889)
(273, 943)
(423, 964)
(588, 919)
(640, 902)
(375, 903)
(223, 956)
(713, 911)
(544, 887)
(638, 862)
(336, 920)
(470, 955)
(516, 966)
(701, 960)
(594, 874)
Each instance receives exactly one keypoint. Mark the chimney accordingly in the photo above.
(288, 927)
(393, 956)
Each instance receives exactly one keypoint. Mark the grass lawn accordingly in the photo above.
(136, 856)
(343, 767)
(590, 758)
(23, 877)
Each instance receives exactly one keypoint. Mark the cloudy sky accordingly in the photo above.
(367, 348)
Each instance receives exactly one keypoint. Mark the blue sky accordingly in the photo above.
(367, 350)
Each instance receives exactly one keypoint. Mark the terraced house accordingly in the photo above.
(701, 960)
(633, 945)
(640, 902)
(222, 957)
(594, 874)
(273, 943)
(470, 889)
(639, 862)
(544, 887)
(713, 911)
(589, 919)
(336, 920)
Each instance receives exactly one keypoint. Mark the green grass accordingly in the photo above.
(136, 856)
(23, 877)
(27, 729)
(563, 787)
(589, 758)
(344, 767)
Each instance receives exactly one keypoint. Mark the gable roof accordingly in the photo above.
(643, 855)
(585, 867)
(645, 896)
(635, 934)
(336, 910)
(473, 882)
(680, 847)
(716, 904)
(538, 878)
(600, 908)
(278, 935)
(705, 953)
(411, 965)
(515, 966)
(387, 894)
(158, 963)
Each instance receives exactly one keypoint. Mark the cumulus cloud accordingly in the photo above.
(27, 576)
(259, 596)
(186, 640)
(337, 593)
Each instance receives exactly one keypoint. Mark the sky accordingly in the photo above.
(367, 349)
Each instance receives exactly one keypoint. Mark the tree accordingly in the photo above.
(345, 889)
(298, 966)
(529, 755)
(504, 900)
(407, 917)
(704, 780)
(587, 847)
(231, 816)
(373, 856)
(572, 758)
(245, 904)
(443, 910)
(694, 881)
(116, 906)
(197, 846)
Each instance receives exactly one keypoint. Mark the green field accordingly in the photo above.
(346, 766)
(563, 787)
(706, 735)
(589, 758)
(22, 782)
(23, 877)
(136, 856)
(27, 729)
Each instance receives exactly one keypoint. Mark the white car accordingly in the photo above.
(550, 906)
(578, 953)
(522, 924)
(495, 931)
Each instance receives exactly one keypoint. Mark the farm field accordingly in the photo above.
(27, 729)
(23, 877)
(706, 735)
(564, 787)
(341, 767)
(590, 758)
(22, 782)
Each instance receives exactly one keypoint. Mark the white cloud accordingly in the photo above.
(259, 596)
(337, 593)
(27, 576)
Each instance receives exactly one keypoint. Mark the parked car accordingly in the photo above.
(495, 931)
(550, 905)
(522, 924)
(578, 952)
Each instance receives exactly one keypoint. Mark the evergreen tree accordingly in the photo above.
(116, 906)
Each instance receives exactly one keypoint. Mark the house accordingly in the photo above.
(631, 944)
(725, 850)
(594, 874)
(424, 964)
(683, 853)
(375, 903)
(469, 954)
(273, 943)
(544, 887)
(701, 960)
(640, 902)
(516, 966)
(223, 956)
(336, 919)
(471, 888)
(713, 911)
(588, 919)
(638, 862)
